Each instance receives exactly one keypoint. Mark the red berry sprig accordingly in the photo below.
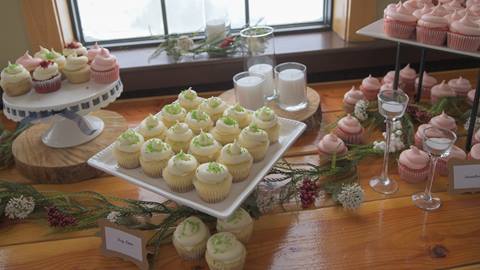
(308, 192)
(57, 218)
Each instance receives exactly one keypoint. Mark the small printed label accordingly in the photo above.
(466, 176)
(124, 243)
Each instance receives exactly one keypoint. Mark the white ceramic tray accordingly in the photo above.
(290, 130)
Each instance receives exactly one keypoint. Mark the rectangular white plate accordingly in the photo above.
(290, 130)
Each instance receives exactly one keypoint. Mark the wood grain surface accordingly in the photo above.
(387, 232)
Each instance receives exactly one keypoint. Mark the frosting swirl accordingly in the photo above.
(442, 90)
(443, 121)
(173, 112)
(191, 232)
(225, 247)
(236, 112)
(212, 173)
(151, 126)
(465, 26)
(407, 73)
(189, 99)
(420, 12)
(182, 164)
(204, 144)
(460, 85)
(233, 153)
(28, 62)
(434, 19)
(414, 158)
(371, 83)
(75, 62)
(104, 61)
(93, 51)
(156, 149)
(199, 120)
(352, 96)
(265, 118)
(45, 71)
(456, 152)
(475, 151)
(252, 136)
(349, 124)
(428, 81)
(129, 141)
(14, 73)
(402, 14)
(179, 132)
(42, 53)
(331, 144)
(212, 105)
(227, 125)
(74, 48)
(235, 222)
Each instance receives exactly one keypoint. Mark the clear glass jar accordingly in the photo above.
(249, 89)
(259, 52)
(291, 86)
(217, 21)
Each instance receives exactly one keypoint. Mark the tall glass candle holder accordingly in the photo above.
(217, 21)
(249, 89)
(291, 86)
(259, 52)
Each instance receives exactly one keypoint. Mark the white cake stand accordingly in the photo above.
(77, 98)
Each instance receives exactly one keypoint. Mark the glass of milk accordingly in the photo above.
(249, 89)
(291, 86)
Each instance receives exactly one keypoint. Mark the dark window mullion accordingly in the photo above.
(247, 13)
(164, 17)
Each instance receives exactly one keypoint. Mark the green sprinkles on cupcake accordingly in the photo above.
(229, 121)
(214, 167)
(130, 136)
(173, 108)
(199, 115)
(189, 94)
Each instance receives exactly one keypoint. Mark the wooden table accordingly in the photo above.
(387, 232)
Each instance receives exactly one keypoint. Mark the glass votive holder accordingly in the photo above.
(217, 22)
(249, 89)
(259, 54)
(291, 86)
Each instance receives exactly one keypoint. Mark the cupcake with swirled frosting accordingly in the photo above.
(266, 119)
(154, 156)
(179, 136)
(455, 16)
(237, 159)
(189, 99)
(126, 149)
(349, 130)
(432, 27)
(419, 135)
(330, 145)
(440, 91)
(461, 86)
(418, 13)
(77, 69)
(104, 67)
(212, 182)
(370, 87)
(455, 153)
(413, 165)
(350, 99)
(179, 172)
(464, 35)
(214, 107)
(240, 224)
(444, 121)
(171, 113)
(47, 77)
(152, 127)
(204, 147)
(407, 76)
(94, 51)
(240, 114)
(41, 54)
(198, 121)
(471, 96)
(15, 80)
(389, 78)
(427, 83)
(399, 22)
(75, 48)
(28, 62)
(225, 252)
(190, 238)
(255, 140)
(55, 57)
(474, 153)
(226, 130)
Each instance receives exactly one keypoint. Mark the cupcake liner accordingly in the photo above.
(463, 42)
(431, 36)
(48, 86)
(104, 77)
(153, 168)
(127, 160)
(412, 175)
(442, 167)
(240, 171)
(177, 146)
(204, 159)
(192, 253)
(425, 91)
(18, 88)
(398, 29)
(409, 88)
(242, 234)
(258, 151)
(78, 76)
(213, 193)
(236, 264)
(178, 183)
(349, 137)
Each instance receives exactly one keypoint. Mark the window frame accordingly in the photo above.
(284, 29)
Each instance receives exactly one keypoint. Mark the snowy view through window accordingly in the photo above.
(124, 19)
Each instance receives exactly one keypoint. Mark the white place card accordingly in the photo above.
(464, 176)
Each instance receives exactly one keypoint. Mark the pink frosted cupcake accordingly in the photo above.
(370, 87)
(461, 86)
(350, 99)
(474, 152)
(440, 91)
(389, 78)
(408, 76)
(471, 96)
(412, 5)
(456, 153)
(93, 52)
(455, 16)
(421, 11)
(28, 62)
(419, 135)
(444, 121)
(389, 86)
(432, 28)
(453, 6)
(399, 22)
(474, 10)
(74, 48)
(46, 78)
(350, 130)
(413, 165)
(329, 145)
(104, 68)
(476, 137)
(470, 3)
(427, 83)
(464, 35)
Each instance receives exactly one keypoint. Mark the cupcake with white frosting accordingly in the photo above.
(266, 119)
(198, 121)
(255, 140)
(225, 252)
(179, 136)
(239, 224)
(126, 149)
(152, 127)
(77, 69)
(226, 130)
(42, 53)
(240, 114)
(15, 80)
(171, 113)
(213, 106)
(204, 147)
(180, 171)
(56, 57)
(212, 182)
(237, 159)
(154, 156)
(190, 238)
(74, 48)
(47, 77)
(189, 99)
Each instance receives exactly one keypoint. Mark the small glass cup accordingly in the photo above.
(259, 55)
(437, 142)
(291, 86)
(249, 89)
(391, 105)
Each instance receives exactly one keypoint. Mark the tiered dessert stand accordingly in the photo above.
(375, 30)
(68, 129)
